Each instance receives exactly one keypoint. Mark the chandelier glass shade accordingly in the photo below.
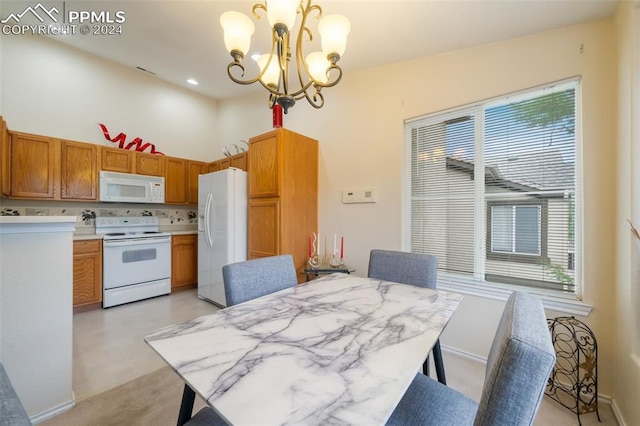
(314, 71)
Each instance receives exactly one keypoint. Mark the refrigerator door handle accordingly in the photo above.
(212, 213)
(207, 218)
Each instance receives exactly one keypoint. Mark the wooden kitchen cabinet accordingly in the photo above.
(264, 227)
(196, 168)
(79, 171)
(239, 161)
(117, 160)
(149, 164)
(87, 274)
(224, 163)
(176, 181)
(34, 166)
(283, 194)
(46, 168)
(184, 261)
(126, 161)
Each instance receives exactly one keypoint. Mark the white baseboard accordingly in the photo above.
(464, 354)
(52, 412)
(616, 412)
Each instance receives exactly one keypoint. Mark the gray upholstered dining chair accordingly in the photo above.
(409, 268)
(244, 281)
(257, 277)
(518, 367)
(12, 412)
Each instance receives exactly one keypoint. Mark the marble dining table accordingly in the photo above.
(340, 349)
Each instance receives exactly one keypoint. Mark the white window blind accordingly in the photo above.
(493, 189)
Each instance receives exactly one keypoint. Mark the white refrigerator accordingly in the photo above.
(222, 229)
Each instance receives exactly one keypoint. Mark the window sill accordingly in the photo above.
(473, 288)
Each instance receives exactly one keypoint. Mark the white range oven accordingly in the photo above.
(136, 259)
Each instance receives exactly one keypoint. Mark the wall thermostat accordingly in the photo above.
(359, 195)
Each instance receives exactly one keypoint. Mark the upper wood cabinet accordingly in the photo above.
(196, 168)
(149, 164)
(239, 161)
(79, 170)
(34, 166)
(117, 160)
(266, 170)
(126, 161)
(224, 163)
(176, 179)
(283, 194)
(49, 169)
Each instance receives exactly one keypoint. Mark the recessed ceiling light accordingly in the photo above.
(192, 81)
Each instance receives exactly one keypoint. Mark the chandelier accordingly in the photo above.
(314, 72)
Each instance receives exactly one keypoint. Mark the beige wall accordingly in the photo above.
(51, 89)
(626, 386)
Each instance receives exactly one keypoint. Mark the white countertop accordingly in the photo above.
(80, 237)
(37, 219)
(28, 224)
(184, 232)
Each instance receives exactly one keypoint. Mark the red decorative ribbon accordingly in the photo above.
(136, 143)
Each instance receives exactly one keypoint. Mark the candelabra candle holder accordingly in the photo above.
(335, 261)
(315, 259)
(314, 262)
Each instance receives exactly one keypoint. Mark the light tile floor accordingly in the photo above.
(108, 344)
(109, 350)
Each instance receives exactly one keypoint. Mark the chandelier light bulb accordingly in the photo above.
(238, 29)
(272, 74)
(334, 30)
(318, 65)
(282, 12)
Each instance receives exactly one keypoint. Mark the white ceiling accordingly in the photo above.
(178, 40)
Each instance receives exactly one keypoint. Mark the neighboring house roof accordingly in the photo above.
(531, 172)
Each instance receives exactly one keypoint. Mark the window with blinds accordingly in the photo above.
(493, 189)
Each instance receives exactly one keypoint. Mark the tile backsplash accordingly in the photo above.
(86, 213)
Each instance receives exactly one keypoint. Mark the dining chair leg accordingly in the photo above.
(186, 406)
(425, 367)
(437, 360)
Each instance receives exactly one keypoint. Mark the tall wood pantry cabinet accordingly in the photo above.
(283, 194)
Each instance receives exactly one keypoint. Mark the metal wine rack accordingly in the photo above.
(574, 379)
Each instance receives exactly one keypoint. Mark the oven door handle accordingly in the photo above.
(137, 242)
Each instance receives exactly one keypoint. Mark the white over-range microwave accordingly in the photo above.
(130, 188)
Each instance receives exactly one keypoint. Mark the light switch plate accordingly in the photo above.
(358, 195)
